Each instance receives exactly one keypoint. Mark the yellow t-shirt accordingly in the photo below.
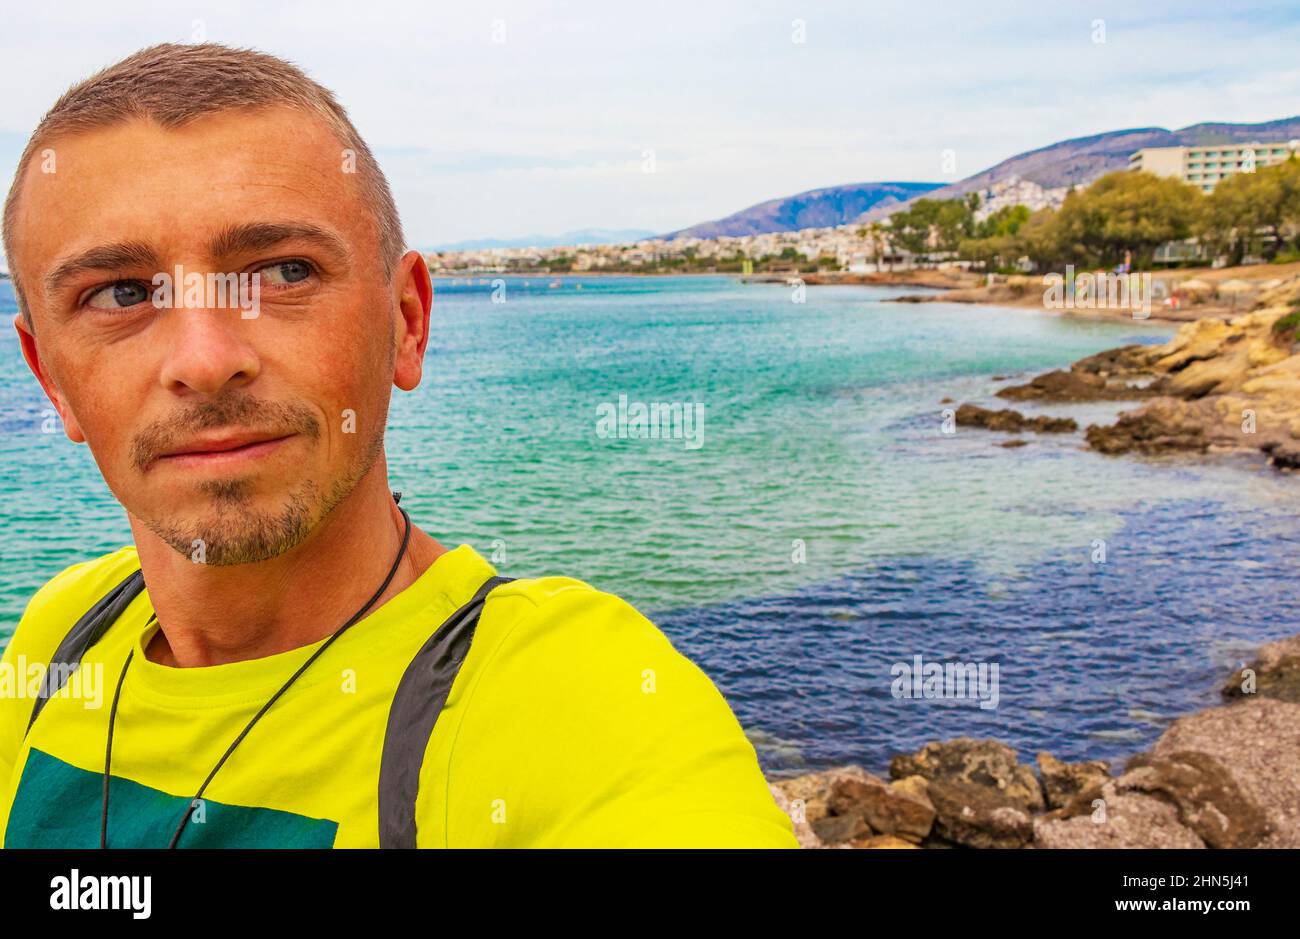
(573, 723)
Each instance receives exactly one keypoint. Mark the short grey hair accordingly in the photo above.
(173, 84)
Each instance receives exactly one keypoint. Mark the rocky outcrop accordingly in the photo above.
(806, 799)
(990, 764)
(1218, 384)
(1209, 801)
(901, 809)
(978, 816)
(1114, 375)
(848, 806)
(1256, 741)
(1274, 673)
(1109, 818)
(1227, 777)
(1063, 781)
(970, 415)
(1125, 362)
(1161, 427)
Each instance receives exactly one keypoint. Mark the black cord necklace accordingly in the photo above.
(112, 714)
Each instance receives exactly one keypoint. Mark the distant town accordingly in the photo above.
(850, 247)
(978, 230)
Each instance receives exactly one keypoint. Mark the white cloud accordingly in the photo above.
(545, 131)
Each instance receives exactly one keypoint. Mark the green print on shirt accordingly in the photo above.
(58, 805)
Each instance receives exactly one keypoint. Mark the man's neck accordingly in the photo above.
(211, 615)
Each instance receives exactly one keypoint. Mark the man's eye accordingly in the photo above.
(285, 272)
(118, 296)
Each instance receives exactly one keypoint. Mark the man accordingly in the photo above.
(298, 664)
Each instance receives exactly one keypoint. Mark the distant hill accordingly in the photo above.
(1066, 163)
(1083, 159)
(816, 208)
(586, 236)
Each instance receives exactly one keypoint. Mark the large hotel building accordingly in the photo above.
(1205, 166)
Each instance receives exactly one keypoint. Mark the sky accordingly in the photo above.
(500, 119)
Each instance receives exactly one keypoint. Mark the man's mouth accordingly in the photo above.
(225, 450)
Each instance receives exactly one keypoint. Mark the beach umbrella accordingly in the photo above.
(1195, 285)
(1235, 286)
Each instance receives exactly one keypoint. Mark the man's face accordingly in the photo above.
(156, 392)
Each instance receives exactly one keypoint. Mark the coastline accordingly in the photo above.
(1227, 292)
(1019, 292)
(1225, 776)
(1218, 386)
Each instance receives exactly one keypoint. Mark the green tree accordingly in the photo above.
(1126, 212)
(1005, 221)
(1039, 238)
(1247, 205)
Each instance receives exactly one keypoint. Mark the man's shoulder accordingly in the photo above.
(57, 605)
(558, 639)
(554, 590)
(567, 613)
(582, 718)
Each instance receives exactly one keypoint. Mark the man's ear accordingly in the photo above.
(32, 355)
(414, 301)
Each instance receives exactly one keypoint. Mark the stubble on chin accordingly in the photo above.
(233, 532)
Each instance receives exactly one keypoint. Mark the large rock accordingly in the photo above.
(978, 816)
(1063, 781)
(1116, 820)
(1111, 375)
(807, 800)
(1119, 362)
(901, 808)
(1282, 457)
(1215, 357)
(1274, 673)
(1163, 425)
(1061, 386)
(812, 790)
(836, 828)
(971, 415)
(1257, 743)
(1208, 799)
(989, 763)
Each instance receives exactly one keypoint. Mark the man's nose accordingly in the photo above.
(207, 349)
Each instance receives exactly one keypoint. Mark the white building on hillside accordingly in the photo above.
(1206, 166)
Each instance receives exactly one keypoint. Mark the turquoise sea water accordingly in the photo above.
(824, 529)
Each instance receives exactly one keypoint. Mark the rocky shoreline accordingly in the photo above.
(1224, 777)
(933, 278)
(1223, 292)
(1218, 386)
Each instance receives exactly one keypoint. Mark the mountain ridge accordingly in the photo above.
(1080, 160)
(813, 208)
(1075, 161)
(592, 236)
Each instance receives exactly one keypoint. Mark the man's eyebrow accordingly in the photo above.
(103, 258)
(258, 236)
(235, 239)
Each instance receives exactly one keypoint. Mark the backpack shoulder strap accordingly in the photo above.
(87, 631)
(420, 697)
